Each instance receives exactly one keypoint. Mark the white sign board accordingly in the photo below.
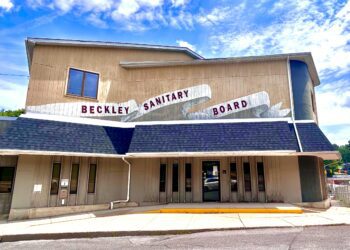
(37, 188)
(64, 182)
(256, 105)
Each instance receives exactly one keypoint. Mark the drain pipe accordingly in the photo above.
(128, 191)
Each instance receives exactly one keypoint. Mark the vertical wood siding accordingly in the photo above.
(227, 81)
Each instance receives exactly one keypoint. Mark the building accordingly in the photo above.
(134, 124)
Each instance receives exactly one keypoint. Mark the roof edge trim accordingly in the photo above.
(302, 56)
(90, 121)
(57, 153)
(329, 155)
(30, 43)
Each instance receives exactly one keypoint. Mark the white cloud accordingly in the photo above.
(7, 5)
(304, 27)
(151, 3)
(140, 14)
(12, 95)
(296, 5)
(181, 20)
(339, 135)
(178, 3)
(64, 5)
(125, 9)
(214, 17)
(128, 14)
(333, 103)
(182, 43)
(95, 20)
(328, 102)
(333, 110)
(67, 5)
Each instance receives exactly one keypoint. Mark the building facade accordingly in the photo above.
(113, 124)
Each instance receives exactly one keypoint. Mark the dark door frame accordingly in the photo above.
(219, 185)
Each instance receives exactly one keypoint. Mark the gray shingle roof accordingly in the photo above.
(55, 136)
(245, 136)
(312, 138)
(5, 122)
(44, 135)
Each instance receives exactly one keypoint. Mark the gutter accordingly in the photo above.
(326, 155)
(32, 42)
(128, 191)
(56, 153)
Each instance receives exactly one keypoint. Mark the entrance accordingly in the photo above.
(211, 180)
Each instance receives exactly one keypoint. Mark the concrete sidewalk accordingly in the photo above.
(217, 208)
(134, 221)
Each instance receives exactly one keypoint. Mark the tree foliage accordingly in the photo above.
(345, 152)
(11, 113)
(333, 167)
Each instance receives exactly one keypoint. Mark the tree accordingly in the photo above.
(332, 167)
(345, 152)
(12, 113)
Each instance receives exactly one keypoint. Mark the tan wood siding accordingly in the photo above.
(50, 66)
(227, 81)
(282, 182)
(145, 180)
(237, 81)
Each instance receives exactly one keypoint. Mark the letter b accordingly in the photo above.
(83, 109)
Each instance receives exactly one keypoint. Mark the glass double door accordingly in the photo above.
(211, 180)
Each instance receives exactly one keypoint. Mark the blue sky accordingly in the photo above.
(220, 28)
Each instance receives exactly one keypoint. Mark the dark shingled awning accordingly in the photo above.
(5, 122)
(312, 138)
(45, 135)
(245, 136)
(55, 136)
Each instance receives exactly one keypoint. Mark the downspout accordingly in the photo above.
(291, 96)
(128, 191)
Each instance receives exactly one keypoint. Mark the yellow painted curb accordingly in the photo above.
(226, 210)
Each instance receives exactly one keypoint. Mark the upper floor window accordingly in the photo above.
(82, 83)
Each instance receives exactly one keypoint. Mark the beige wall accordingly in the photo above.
(31, 170)
(50, 66)
(282, 181)
(227, 80)
(144, 180)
